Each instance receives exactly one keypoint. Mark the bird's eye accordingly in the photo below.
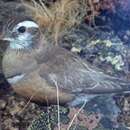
(22, 29)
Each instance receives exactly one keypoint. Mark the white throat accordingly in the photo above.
(15, 79)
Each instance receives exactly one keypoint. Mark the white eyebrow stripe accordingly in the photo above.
(27, 24)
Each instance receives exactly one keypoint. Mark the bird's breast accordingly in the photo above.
(16, 63)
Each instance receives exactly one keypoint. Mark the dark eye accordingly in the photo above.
(22, 29)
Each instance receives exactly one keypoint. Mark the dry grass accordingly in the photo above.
(59, 16)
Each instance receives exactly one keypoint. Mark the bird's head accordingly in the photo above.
(22, 34)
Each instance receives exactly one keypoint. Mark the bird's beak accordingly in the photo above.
(5, 37)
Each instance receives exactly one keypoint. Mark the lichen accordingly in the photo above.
(116, 61)
(106, 42)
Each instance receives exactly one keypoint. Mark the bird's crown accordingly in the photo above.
(21, 33)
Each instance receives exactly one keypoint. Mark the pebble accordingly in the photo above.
(2, 104)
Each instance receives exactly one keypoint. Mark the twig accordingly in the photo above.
(45, 9)
(92, 9)
(58, 104)
(75, 116)
(26, 104)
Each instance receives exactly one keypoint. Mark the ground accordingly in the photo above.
(105, 47)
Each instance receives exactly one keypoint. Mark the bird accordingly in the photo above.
(44, 71)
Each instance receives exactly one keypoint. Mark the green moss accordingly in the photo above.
(49, 119)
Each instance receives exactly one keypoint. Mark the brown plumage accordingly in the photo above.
(37, 69)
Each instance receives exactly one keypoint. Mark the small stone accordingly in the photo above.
(74, 49)
(2, 104)
(22, 103)
(126, 106)
(8, 122)
(15, 110)
(108, 43)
